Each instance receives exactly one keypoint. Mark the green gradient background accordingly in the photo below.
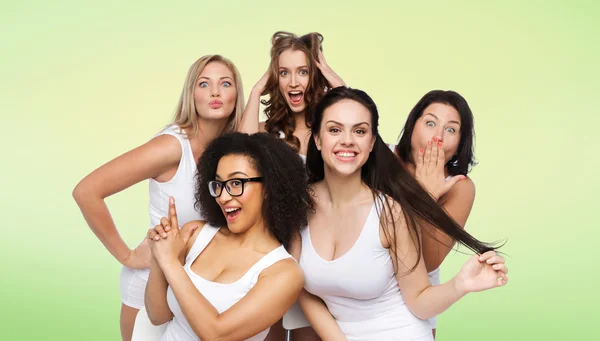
(82, 84)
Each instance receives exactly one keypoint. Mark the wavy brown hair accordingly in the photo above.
(279, 116)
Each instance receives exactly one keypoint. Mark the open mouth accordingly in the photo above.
(345, 155)
(232, 213)
(296, 97)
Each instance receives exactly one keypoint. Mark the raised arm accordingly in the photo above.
(147, 161)
(480, 272)
(250, 118)
(155, 298)
(314, 308)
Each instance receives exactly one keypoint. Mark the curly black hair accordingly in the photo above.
(286, 195)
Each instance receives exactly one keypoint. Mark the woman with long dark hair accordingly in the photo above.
(365, 278)
(437, 146)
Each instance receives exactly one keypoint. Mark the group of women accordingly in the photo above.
(309, 217)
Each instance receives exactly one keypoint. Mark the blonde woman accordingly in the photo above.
(211, 103)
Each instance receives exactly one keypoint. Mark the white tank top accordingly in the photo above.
(182, 186)
(221, 296)
(360, 288)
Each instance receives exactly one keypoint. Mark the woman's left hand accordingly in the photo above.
(482, 272)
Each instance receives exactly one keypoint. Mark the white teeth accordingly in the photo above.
(343, 154)
(295, 92)
(229, 210)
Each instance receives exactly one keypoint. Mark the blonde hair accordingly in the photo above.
(186, 116)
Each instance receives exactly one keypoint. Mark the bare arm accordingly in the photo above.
(250, 118)
(426, 301)
(320, 318)
(147, 161)
(458, 203)
(155, 297)
(313, 307)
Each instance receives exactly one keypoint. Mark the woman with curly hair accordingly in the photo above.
(436, 147)
(361, 251)
(211, 103)
(230, 277)
(297, 77)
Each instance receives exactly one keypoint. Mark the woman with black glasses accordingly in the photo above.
(230, 277)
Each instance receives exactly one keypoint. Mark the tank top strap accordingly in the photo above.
(269, 259)
(204, 237)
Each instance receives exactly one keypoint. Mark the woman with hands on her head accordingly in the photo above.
(231, 278)
(436, 147)
(297, 77)
(365, 278)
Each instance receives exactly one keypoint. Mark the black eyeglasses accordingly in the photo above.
(235, 186)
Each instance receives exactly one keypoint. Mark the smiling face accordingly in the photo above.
(441, 121)
(215, 92)
(345, 138)
(243, 211)
(293, 78)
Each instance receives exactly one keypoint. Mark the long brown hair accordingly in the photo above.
(279, 116)
(390, 182)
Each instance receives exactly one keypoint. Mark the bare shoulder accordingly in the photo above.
(393, 224)
(165, 146)
(286, 270)
(392, 210)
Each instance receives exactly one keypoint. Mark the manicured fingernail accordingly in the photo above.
(429, 143)
(439, 144)
(420, 150)
(489, 261)
(481, 258)
(155, 237)
(435, 139)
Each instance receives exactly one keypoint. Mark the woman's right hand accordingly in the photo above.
(139, 258)
(430, 170)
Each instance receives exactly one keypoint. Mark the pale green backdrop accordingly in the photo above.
(82, 83)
